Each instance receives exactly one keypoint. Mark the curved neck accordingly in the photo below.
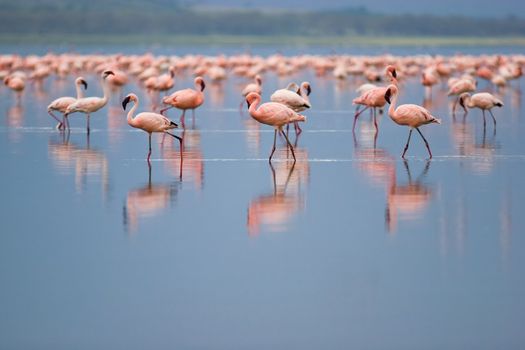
(304, 93)
(80, 92)
(468, 102)
(254, 106)
(131, 112)
(105, 88)
(393, 105)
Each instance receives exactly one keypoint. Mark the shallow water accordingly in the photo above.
(349, 248)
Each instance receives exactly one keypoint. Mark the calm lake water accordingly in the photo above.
(350, 248)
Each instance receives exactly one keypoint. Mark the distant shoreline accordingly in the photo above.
(7, 39)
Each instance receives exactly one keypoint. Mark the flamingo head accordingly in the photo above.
(6, 80)
(308, 88)
(252, 97)
(200, 81)
(462, 98)
(391, 90)
(81, 80)
(127, 99)
(391, 71)
(107, 73)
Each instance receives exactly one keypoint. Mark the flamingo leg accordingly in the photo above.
(165, 109)
(375, 119)
(408, 142)
(88, 124)
(484, 120)
(455, 105)
(273, 149)
(493, 119)
(290, 145)
(426, 143)
(149, 152)
(178, 138)
(298, 129)
(357, 114)
(60, 123)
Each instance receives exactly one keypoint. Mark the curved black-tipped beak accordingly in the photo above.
(83, 82)
(308, 90)
(125, 102)
(172, 123)
(203, 85)
(461, 103)
(388, 93)
(108, 72)
(394, 73)
(248, 103)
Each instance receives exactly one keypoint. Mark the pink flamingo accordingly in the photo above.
(459, 87)
(89, 105)
(374, 97)
(186, 99)
(483, 101)
(17, 84)
(61, 103)
(273, 114)
(295, 98)
(410, 115)
(148, 121)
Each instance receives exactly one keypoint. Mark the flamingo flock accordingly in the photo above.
(381, 80)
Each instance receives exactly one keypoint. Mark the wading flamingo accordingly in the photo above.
(88, 105)
(410, 115)
(273, 114)
(61, 103)
(148, 121)
(186, 99)
(374, 97)
(293, 97)
(483, 101)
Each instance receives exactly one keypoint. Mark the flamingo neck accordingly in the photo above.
(254, 106)
(393, 105)
(468, 102)
(80, 93)
(105, 88)
(131, 120)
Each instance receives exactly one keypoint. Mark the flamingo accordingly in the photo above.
(410, 115)
(273, 114)
(148, 121)
(186, 98)
(15, 83)
(90, 105)
(483, 100)
(374, 97)
(467, 84)
(61, 103)
(256, 86)
(295, 98)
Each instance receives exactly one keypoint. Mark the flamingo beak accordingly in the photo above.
(125, 102)
(83, 82)
(394, 73)
(248, 103)
(308, 90)
(461, 103)
(388, 93)
(203, 85)
(108, 72)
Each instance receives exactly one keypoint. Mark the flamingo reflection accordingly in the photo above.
(85, 162)
(147, 201)
(275, 210)
(407, 201)
(189, 162)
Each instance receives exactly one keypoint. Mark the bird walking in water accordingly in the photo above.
(410, 115)
(149, 122)
(295, 98)
(88, 105)
(186, 99)
(273, 114)
(374, 97)
(483, 101)
(61, 103)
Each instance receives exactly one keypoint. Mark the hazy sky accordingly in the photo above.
(486, 8)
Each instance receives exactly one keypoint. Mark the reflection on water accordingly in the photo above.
(148, 201)
(189, 165)
(15, 119)
(276, 210)
(407, 201)
(85, 162)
